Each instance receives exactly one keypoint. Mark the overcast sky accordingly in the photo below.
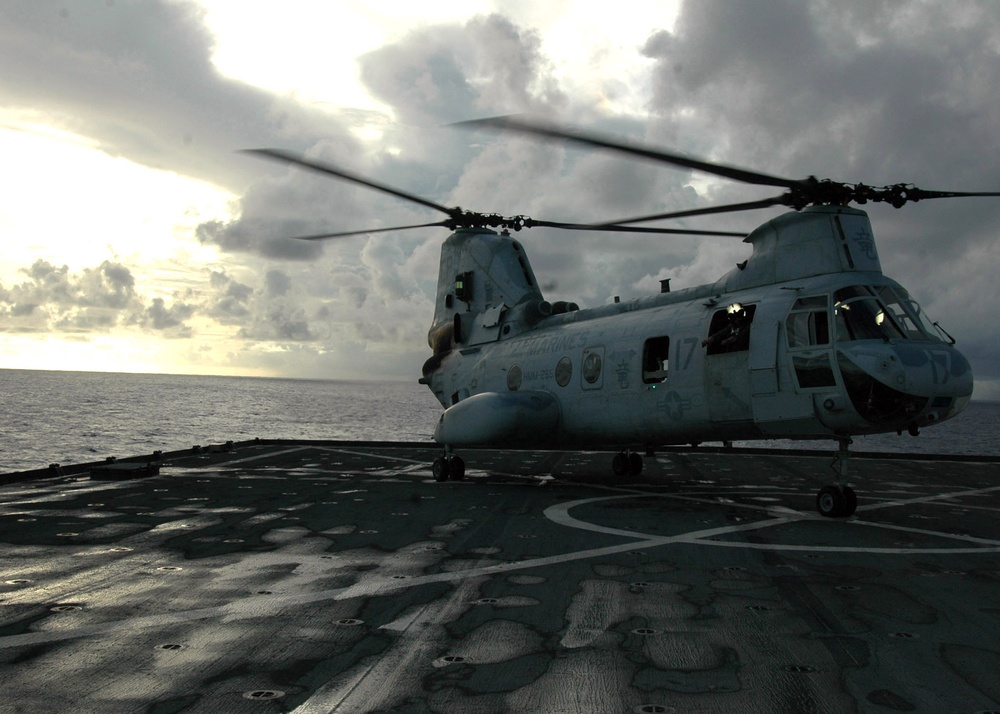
(137, 238)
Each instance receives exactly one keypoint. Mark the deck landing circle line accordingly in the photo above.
(381, 457)
(929, 499)
(247, 459)
(559, 514)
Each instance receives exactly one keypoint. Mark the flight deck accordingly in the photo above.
(317, 577)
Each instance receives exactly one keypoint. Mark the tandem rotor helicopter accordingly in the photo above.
(806, 339)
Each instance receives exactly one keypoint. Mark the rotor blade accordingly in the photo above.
(343, 234)
(532, 223)
(289, 157)
(554, 132)
(918, 194)
(728, 208)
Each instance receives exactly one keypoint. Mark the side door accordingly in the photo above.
(789, 349)
(727, 360)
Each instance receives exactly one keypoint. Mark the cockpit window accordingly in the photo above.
(860, 312)
(860, 316)
(908, 314)
(807, 325)
(864, 320)
(853, 291)
(902, 318)
(806, 329)
(931, 331)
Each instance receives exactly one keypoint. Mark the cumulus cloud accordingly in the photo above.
(55, 299)
(447, 72)
(228, 303)
(160, 317)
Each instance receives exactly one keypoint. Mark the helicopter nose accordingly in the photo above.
(906, 385)
(920, 370)
(935, 371)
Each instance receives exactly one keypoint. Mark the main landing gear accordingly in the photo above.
(627, 463)
(839, 501)
(448, 466)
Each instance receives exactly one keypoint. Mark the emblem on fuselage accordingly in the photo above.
(866, 242)
(673, 405)
(623, 366)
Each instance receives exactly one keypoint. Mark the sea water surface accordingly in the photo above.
(74, 417)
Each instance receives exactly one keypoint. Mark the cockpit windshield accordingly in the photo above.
(929, 328)
(880, 312)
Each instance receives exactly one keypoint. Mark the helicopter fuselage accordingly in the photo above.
(828, 354)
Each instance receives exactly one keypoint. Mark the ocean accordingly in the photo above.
(74, 417)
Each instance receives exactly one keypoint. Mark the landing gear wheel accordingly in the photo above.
(627, 463)
(850, 501)
(456, 468)
(440, 469)
(831, 502)
(837, 502)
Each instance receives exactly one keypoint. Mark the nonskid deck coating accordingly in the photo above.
(326, 577)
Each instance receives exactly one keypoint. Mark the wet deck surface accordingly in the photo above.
(321, 578)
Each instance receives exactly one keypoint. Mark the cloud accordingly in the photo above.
(96, 299)
(138, 78)
(447, 72)
(228, 303)
(882, 88)
(160, 317)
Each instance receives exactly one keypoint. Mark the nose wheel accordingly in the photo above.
(840, 500)
(448, 467)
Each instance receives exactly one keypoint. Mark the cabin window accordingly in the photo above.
(655, 354)
(564, 371)
(592, 365)
(514, 378)
(729, 330)
(463, 286)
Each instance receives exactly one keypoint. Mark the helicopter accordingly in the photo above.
(806, 339)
